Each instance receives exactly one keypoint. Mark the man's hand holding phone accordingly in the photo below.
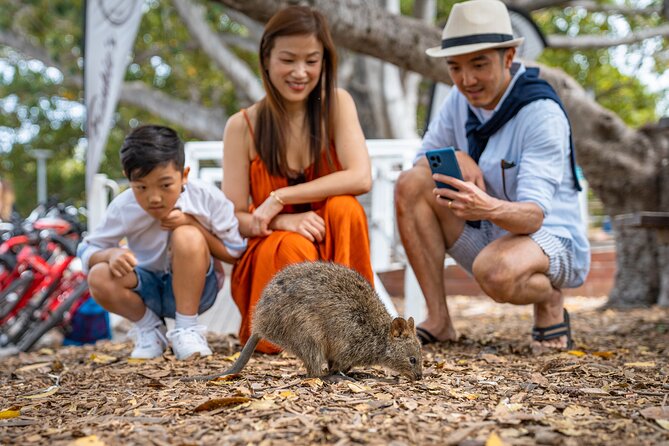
(470, 170)
(464, 197)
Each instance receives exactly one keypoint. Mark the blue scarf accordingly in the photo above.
(528, 88)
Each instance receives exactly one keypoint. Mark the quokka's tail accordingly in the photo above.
(239, 364)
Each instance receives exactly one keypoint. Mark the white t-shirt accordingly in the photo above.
(126, 219)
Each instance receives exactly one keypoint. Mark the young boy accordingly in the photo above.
(176, 231)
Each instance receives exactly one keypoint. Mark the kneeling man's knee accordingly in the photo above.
(495, 277)
(410, 186)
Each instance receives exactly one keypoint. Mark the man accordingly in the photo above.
(514, 222)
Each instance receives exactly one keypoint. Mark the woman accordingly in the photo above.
(298, 157)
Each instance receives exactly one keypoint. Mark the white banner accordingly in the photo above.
(111, 27)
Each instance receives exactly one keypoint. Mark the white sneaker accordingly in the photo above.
(188, 341)
(149, 342)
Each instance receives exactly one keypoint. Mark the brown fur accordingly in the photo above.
(332, 319)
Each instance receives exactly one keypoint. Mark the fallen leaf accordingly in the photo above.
(663, 423)
(575, 411)
(91, 440)
(12, 412)
(27, 368)
(605, 355)
(577, 353)
(549, 409)
(540, 379)
(640, 364)
(355, 388)
(262, 405)
(217, 403)
(493, 359)
(45, 393)
(314, 383)
(225, 379)
(136, 361)
(289, 394)
(593, 391)
(409, 404)
(656, 412)
(232, 357)
(494, 440)
(101, 358)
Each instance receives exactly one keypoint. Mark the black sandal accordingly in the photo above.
(425, 337)
(540, 334)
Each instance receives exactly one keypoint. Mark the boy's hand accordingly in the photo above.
(122, 262)
(175, 219)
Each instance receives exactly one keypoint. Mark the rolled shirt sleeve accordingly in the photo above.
(107, 235)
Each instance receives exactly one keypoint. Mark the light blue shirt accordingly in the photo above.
(537, 141)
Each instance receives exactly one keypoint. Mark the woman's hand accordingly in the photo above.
(175, 219)
(263, 216)
(121, 262)
(308, 224)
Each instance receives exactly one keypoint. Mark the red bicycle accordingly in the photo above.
(45, 287)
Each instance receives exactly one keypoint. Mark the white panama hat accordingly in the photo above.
(475, 25)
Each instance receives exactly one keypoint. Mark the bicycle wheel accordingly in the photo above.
(10, 297)
(36, 331)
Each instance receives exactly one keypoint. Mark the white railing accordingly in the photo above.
(389, 158)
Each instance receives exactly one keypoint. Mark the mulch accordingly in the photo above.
(486, 389)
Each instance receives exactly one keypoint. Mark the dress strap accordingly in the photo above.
(248, 122)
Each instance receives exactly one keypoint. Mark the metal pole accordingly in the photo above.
(41, 155)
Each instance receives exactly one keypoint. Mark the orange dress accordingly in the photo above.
(346, 241)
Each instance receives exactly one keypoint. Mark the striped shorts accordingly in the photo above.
(558, 249)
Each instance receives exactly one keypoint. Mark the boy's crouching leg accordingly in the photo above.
(191, 261)
(115, 294)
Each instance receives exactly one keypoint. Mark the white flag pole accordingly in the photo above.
(110, 31)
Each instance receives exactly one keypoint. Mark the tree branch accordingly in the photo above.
(236, 70)
(533, 5)
(205, 123)
(594, 42)
(244, 43)
(364, 28)
(25, 47)
(592, 6)
(254, 27)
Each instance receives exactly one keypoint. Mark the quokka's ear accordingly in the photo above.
(398, 327)
(410, 326)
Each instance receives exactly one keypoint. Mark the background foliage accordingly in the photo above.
(40, 105)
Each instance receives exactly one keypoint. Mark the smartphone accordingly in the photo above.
(443, 161)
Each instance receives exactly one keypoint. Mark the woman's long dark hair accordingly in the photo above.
(272, 123)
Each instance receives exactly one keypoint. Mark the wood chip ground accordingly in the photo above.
(487, 389)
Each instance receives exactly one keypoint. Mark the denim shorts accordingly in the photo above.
(155, 289)
(559, 250)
